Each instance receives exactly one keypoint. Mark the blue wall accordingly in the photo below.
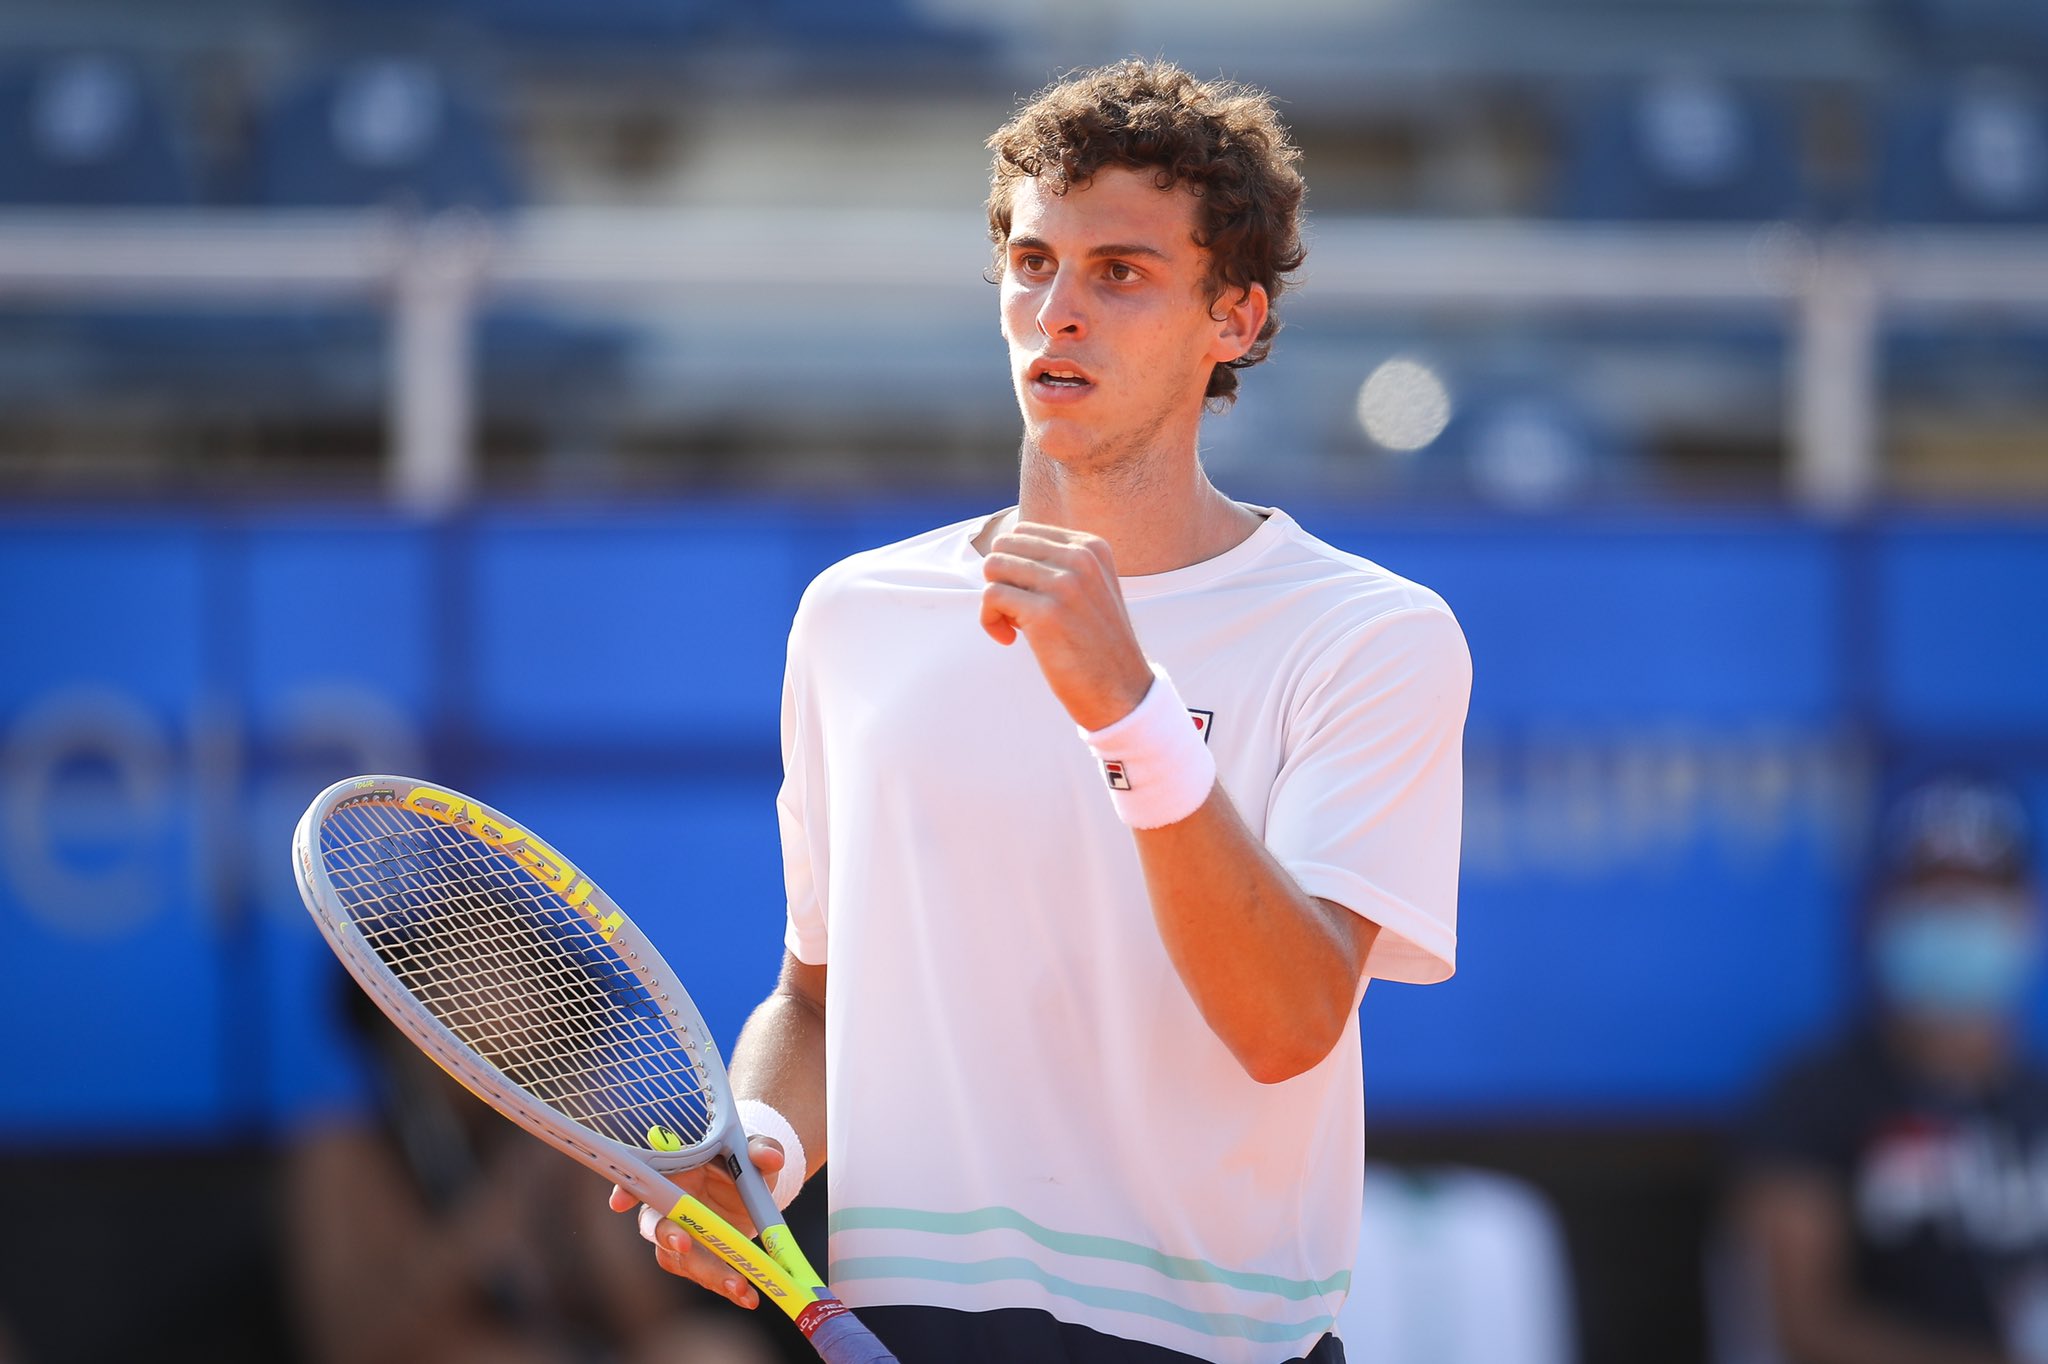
(1677, 729)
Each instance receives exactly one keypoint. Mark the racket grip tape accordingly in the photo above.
(838, 1337)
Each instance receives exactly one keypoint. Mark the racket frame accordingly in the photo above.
(782, 1274)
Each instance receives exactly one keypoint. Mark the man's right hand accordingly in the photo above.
(675, 1250)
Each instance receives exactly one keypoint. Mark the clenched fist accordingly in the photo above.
(1058, 588)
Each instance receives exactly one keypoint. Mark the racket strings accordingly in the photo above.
(500, 958)
(474, 1005)
(497, 957)
(521, 977)
(530, 1043)
(535, 1056)
(478, 1009)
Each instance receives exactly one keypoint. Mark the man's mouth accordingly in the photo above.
(1056, 376)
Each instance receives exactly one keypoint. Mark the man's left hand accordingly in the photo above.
(1058, 588)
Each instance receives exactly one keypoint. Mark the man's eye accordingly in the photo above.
(1121, 273)
(1031, 263)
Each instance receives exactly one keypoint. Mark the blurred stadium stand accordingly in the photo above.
(386, 131)
(90, 128)
(1782, 111)
(1534, 445)
(1974, 30)
(1969, 149)
(395, 132)
(1966, 149)
(577, 22)
(1683, 147)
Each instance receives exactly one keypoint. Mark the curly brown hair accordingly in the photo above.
(1220, 139)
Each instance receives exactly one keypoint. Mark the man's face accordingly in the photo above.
(1105, 284)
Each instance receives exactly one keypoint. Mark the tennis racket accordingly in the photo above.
(523, 980)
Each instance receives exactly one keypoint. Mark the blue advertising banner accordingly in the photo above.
(1678, 729)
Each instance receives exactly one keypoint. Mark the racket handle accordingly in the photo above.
(841, 1339)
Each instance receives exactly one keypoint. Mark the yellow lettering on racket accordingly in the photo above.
(549, 867)
(445, 806)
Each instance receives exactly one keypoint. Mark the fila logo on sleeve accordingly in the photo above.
(1203, 719)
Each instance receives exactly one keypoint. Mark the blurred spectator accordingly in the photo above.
(1457, 1267)
(1893, 1189)
(435, 1232)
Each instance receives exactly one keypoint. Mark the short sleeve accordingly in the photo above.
(1367, 809)
(800, 808)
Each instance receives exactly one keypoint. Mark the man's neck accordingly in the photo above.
(1156, 515)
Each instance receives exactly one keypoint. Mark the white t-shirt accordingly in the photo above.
(1023, 1107)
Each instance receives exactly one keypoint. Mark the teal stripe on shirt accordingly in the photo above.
(1086, 1246)
(1217, 1324)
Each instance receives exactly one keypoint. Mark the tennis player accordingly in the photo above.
(1101, 811)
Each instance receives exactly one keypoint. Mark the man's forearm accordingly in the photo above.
(780, 1059)
(1272, 970)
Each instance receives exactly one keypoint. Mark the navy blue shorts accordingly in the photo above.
(1025, 1335)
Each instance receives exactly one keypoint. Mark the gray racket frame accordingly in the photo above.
(642, 1173)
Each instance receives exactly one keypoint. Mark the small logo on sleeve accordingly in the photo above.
(1203, 719)
(1113, 772)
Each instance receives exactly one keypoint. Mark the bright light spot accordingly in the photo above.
(1403, 405)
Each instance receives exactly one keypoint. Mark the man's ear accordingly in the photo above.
(1239, 320)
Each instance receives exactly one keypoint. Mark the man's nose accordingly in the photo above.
(1061, 313)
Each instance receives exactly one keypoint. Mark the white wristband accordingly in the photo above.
(1156, 763)
(762, 1121)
